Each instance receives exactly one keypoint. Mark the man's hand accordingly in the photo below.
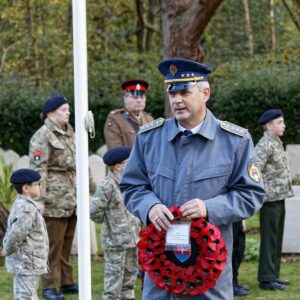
(194, 208)
(160, 216)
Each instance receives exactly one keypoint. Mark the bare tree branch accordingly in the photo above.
(248, 27)
(291, 14)
(272, 22)
(4, 53)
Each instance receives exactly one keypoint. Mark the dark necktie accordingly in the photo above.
(187, 133)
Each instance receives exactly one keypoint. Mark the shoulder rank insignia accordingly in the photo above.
(154, 124)
(235, 129)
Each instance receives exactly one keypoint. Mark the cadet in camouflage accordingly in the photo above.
(52, 154)
(119, 231)
(278, 186)
(26, 240)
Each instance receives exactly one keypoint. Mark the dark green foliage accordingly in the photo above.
(243, 91)
(21, 100)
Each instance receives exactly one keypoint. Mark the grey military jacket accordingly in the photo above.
(119, 227)
(26, 242)
(52, 154)
(167, 167)
(274, 167)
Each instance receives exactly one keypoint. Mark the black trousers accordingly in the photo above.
(272, 215)
(238, 249)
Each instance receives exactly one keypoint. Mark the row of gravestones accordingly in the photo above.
(97, 169)
(291, 241)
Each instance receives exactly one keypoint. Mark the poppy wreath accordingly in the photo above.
(189, 277)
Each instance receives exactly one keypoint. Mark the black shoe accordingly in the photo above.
(52, 294)
(244, 287)
(282, 281)
(271, 285)
(70, 289)
(238, 292)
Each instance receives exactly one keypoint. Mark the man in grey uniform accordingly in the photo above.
(206, 167)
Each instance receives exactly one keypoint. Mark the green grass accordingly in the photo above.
(248, 274)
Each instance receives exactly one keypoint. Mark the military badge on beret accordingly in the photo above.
(254, 172)
(37, 155)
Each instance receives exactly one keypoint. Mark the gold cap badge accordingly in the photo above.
(173, 69)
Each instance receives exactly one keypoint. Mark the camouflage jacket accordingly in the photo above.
(274, 168)
(52, 154)
(121, 127)
(119, 228)
(26, 240)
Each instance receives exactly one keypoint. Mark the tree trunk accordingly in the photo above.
(32, 60)
(294, 19)
(183, 23)
(140, 28)
(272, 23)
(248, 27)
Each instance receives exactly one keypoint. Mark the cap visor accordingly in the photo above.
(180, 86)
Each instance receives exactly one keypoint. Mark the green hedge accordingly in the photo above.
(21, 100)
(240, 93)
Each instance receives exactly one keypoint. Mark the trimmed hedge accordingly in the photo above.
(21, 100)
(240, 93)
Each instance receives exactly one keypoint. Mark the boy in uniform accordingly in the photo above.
(278, 187)
(26, 240)
(119, 229)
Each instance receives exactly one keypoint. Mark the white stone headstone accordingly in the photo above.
(102, 150)
(97, 168)
(293, 154)
(23, 162)
(11, 157)
(291, 237)
(98, 172)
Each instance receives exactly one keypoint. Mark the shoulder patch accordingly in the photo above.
(154, 124)
(232, 128)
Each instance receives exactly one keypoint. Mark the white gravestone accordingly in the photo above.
(293, 154)
(291, 236)
(98, 172)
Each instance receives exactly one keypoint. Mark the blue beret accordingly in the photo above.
(137, 87)
(116, 155)
(181, 74)
(269, 115)
(53, 103)
(24, 176)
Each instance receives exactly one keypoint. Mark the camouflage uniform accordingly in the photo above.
(278, 186)
(52, 154)
(26, 247)
(121, 127)
(119, 236)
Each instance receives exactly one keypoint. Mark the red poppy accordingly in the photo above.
(184, 280)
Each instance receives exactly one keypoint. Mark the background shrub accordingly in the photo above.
(240, 93)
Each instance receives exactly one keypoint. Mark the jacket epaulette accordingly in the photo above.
(151, 125)
(232, 128)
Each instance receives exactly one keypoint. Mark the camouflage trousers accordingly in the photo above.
(120, 273)
(25, 287)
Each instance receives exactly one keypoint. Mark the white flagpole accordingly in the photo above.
(82, 164)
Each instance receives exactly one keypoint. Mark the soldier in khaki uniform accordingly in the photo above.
(119, 232)
(26, 241)
(278, 186)
(52, 154)
(123, 124)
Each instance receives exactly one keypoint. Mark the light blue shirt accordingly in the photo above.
(167, 167)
